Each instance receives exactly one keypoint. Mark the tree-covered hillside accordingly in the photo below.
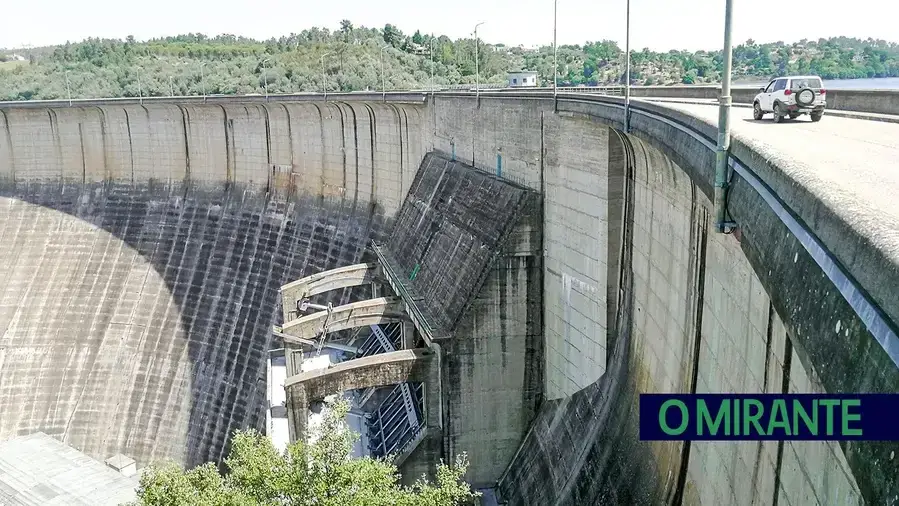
(194, 64)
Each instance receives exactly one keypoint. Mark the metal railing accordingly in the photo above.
(397, 421)
(429, 87)
(381, 339)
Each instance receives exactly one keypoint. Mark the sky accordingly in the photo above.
(656, 24)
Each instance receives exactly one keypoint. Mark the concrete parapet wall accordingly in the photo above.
(872, 101)
(858, 100)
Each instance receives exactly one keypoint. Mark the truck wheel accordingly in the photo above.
(757, 113)
(816, 115)
(778, 112)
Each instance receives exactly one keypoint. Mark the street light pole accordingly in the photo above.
(627, 70)
(172, 86)
(68, 89)
(203, 79)
(264, 78)
(383, 77)
(723, 146)
(477, 70)
(555, 51)
(432, 63)
(140, 91)
(324, 86)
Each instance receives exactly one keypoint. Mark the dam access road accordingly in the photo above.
(824, 157)
(517, 269)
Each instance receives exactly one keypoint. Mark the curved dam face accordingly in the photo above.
(641, 295)
(142, 248)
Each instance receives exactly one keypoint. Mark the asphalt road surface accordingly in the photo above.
(851, 164)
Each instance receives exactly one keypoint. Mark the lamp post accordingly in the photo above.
(264, 78)
(724, 126)
(171, 86)
(383, 78)
(555, 52)
(477, 70)
(324, 86)
(140, 91)
(627, 70)
(68, 89)
(432, 63)
(203, 79)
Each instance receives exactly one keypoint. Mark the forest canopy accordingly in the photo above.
(351, 58)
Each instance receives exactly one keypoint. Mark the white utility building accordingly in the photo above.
(525, 78)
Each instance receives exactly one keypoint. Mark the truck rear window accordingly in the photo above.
(806, 83)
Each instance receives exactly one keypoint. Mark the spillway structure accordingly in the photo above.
(500, 275)
(459, 280)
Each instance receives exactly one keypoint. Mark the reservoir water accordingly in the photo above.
(883, 83)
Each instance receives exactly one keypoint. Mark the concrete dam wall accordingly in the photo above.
(641, 295)
(142, 248)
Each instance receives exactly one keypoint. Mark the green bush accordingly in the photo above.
(322, 473)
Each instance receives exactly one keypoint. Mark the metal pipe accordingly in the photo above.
(724, 101)
(302, 306)
(555, 52)
(309, 342)
(477, 70)
(627, 70)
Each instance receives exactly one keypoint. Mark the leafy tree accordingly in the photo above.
(392, 35)
(346, 28)
(321, 472)
(227, 64)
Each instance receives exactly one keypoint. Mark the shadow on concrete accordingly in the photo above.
(223, 254)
